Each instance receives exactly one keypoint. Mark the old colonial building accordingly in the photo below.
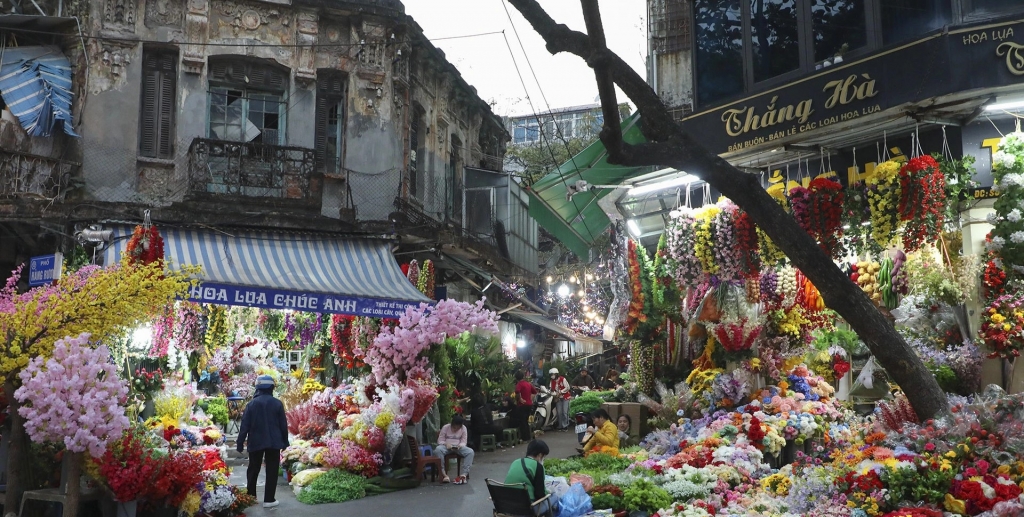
(297, 115)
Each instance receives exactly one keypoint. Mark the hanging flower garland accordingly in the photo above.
(682, 238)
(426, 280)
(726, 246)
(771, 255)
(922, 202)
(163, 333)
(301, 329)
(856, 220)
(344, 342)
(704, 238)
(800, 207)
(746, 239)
(737, 337)
(145, 245)
(413, 273)
(826, 215)
(635, 314)
(1007, 236)
(883, 200)
(189, 327)
(1002, 326)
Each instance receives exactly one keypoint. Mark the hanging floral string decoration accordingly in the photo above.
(682, 250)
(413, 272)
(826, 215)
(704, 238)
(426, 280)
(747, 242)
(145, 246)
(922, 201)
(635, 315)
(883, 200)
(1007, 235)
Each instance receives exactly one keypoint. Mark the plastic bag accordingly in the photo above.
(583, 479)
(556, 485)
(575, 503)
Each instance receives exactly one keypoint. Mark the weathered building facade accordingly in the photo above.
(324, 116)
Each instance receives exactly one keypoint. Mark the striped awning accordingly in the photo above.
(35, 83)
(286, 271)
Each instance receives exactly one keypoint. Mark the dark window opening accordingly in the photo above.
(719, 37)
(774, 35)
(839, 26)
(902, 20)
(989, 7)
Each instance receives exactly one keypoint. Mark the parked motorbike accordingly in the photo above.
(583, 421)
(545, 415)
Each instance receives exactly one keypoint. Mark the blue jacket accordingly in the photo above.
(264, 423)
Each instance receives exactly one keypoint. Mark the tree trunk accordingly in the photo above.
(73, 484)
(669, 145)
(17, 466)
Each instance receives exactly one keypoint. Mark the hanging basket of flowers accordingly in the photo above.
(922, 201)
(883, 201)
(146, 246)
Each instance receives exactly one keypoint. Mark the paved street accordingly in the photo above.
(428, 500)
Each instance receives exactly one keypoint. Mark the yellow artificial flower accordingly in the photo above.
(955, 505)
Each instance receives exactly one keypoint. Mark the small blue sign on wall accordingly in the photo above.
(45, 269)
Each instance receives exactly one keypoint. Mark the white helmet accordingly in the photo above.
(553, 371)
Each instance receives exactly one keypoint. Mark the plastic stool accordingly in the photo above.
(510, 436)
(487, 442)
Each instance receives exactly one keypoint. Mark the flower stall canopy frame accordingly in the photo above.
(578, 220)
(287, 271)
(583, 344)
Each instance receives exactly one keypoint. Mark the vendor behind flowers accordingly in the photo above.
(606, 434)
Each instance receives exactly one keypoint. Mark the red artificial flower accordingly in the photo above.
(756, 433)
(922, 201)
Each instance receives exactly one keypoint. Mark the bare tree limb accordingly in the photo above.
(669, 145)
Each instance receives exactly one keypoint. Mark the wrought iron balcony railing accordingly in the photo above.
(249, 169)
(30, 175)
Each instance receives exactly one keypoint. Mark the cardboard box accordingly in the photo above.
(614, 409)
(638, 415)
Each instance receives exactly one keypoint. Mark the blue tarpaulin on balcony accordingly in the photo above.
(35, 83)
(287, 271)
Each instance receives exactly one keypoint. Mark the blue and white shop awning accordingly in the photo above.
(35, 83)
(285, 271)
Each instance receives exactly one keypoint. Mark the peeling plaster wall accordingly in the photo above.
(362, 45)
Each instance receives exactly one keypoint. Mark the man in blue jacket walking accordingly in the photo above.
(266, 427)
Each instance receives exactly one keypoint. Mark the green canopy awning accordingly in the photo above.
(579, 220)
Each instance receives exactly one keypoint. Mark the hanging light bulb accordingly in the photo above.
(549, 279)
(582, 293)
(589, 276)
(563, 291)
(574, 280)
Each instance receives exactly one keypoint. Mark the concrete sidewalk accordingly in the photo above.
(427, 500)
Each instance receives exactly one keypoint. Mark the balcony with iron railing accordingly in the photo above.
(34, 176)
(253, 170)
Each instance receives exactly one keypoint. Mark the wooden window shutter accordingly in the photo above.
(156, 117)
(320, 131)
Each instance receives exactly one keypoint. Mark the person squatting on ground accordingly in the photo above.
(530, 472)
(560, 391)
(266, 427)
(452, 439)
(606, 434)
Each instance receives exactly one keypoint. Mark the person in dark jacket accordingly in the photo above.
(265, 425)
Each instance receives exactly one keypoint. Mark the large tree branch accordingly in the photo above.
(669, 145)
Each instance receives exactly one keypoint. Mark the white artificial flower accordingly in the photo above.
(1013, 216)
(1017, 237)
(996, 244)
(992, 218)
(1003, 160)
(1013, 180)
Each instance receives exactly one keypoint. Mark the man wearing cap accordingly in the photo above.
(560, 390)
(584, 380)
(266, 427)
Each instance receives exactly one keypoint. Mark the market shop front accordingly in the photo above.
(356, 277)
